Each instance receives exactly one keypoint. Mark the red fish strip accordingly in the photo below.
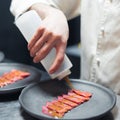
(51, 113)
(82, 93)
(55, 108)
(73, 99)
(60, 104)
(70, 103)
(78, 96)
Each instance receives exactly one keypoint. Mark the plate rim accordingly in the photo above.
(74, 80)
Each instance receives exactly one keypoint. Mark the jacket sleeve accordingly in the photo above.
(71, 8)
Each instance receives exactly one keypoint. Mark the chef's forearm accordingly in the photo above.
(18, 7)
(71, 8)
(44, 10)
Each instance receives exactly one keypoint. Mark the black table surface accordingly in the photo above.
(10, 108)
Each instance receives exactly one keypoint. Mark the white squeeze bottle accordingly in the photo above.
(28, 23)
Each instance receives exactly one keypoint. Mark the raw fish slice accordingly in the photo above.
(82, 93)
(73, 99)
(67, 102)
(11, 77)
(51, 113)
(60, 104)
(53, 107)
(20, 73)
(4, 81)
(78, 96)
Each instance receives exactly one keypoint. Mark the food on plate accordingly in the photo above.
(12, 76)
(82, 93)
(66, 102)
(52, 113)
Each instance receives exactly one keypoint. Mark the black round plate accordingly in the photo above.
(35, 96)
(15, 87)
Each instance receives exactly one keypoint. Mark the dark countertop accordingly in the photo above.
(10, 108)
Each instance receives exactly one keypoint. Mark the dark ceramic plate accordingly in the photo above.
(35, 96)
(6, 67)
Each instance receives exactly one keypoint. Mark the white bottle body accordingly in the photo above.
(28, 23)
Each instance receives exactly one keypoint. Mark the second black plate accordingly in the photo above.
(35, 96)
(35, 75)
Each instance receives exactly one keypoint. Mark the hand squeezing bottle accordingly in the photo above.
(28, 23)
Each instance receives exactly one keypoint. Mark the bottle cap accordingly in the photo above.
(63, 74)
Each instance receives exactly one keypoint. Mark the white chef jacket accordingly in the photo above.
(100, 36)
